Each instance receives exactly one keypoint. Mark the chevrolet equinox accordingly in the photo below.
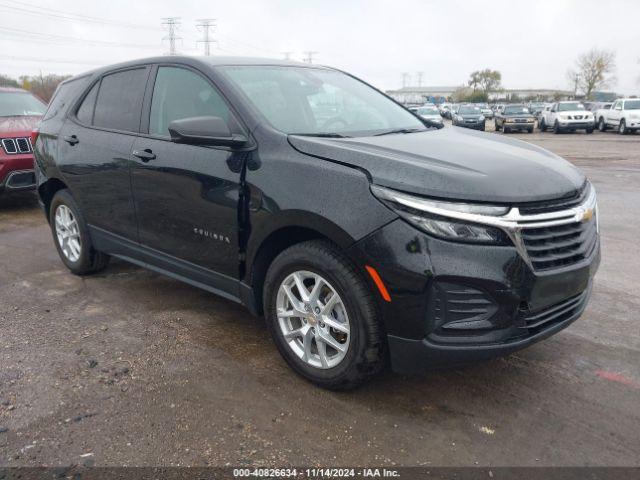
(362, 234)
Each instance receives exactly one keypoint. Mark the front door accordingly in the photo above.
(186, 196)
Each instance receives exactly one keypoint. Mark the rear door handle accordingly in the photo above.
(71, 139)
(144, 155)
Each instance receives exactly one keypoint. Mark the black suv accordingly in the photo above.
(303, 193)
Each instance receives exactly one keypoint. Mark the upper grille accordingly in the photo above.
(555, 205)
(14, 146)
(560, 245)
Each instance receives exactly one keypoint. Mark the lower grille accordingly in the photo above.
(555, 314)
(21, 179)
(561, 245)
(462, 308)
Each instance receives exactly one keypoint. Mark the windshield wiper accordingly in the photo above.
(400, 130)
(322, 135)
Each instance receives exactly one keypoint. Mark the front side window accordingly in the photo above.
(319, 101)
(20, 104)
(180, 93)
(119, 102)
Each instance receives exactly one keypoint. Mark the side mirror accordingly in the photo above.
(212, 131)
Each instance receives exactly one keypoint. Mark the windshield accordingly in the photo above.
(18, 104)
(515, 109)
(469, 110)
(316, 101)
(428, 111)
(632, 105)
(537, 105)
(567, 107)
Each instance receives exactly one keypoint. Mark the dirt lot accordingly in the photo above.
(138, 369)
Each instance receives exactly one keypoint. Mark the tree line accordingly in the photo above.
(42, 86)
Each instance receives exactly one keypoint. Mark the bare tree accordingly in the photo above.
(486, 80)
(595, 69)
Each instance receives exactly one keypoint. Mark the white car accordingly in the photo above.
(567, 117)
(431, 113)
(624, 116)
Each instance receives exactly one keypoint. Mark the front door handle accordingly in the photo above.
(144, 155)
(71, 139)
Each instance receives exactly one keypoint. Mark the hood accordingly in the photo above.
(453, 163)
(18, 126)
(434, 117)
(518, 115)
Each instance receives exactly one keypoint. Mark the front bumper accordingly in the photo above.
(520, 125)
(474, 125)
(569, 125)
(17, 173)
(497, 303)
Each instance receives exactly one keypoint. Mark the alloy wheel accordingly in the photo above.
(313, 319)
(68, 233)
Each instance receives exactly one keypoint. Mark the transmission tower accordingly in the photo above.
(171, 24)
(420, 74)
(204, 24)
(405, 78)
(309, 57)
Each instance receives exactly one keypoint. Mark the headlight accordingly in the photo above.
(564, 117)
(431, 217)
(481, 119)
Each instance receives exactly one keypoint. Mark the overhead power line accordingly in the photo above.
(206, 26)
(13, 6)
(63, 38)
(171, 24)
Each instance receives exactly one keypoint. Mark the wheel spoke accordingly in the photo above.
(307, 339)
(328, 307)
(302, 290)
(295, 303)
(322, 351)
(317, 288)
(298, 332)
(336, 325)
(332, 342)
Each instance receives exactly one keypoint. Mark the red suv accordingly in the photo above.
(20, 112)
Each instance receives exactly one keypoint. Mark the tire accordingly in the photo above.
(505, 129)
(88, 260)
(483, 128)
(622, 128)
(601, 125)
(542, 125)
(589, 131)
(556, 128)
(366, 351)
(530, 130)
(497, 127)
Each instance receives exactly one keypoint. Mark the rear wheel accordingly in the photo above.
(601, 125)
(322, 316)
(542, 125)
(71, 236)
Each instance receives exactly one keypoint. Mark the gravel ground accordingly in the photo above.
(131, 368)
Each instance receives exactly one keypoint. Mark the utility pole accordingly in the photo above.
(405, 78)
(287, 55)
(204, 24)
(309, 57)
(171, 24)
(419, 74)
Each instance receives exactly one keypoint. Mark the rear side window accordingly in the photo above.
(119, 101)
(64, 95)
(85, 112)
(180, 93)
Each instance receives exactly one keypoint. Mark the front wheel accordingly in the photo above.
(556, 128)
(542, 125)
(497, 127)
(589, 130)
(71, 236)
(530, 129)
(323, 317)
(622, 129)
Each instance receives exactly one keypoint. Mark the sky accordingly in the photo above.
(532, 43)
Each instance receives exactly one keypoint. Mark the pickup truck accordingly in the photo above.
(566, 116)
(623, 115)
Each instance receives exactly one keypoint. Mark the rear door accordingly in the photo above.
(95, 150)
(186, 196)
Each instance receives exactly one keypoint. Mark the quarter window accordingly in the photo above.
(180, 93)
(119, 100)
(85, 112)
